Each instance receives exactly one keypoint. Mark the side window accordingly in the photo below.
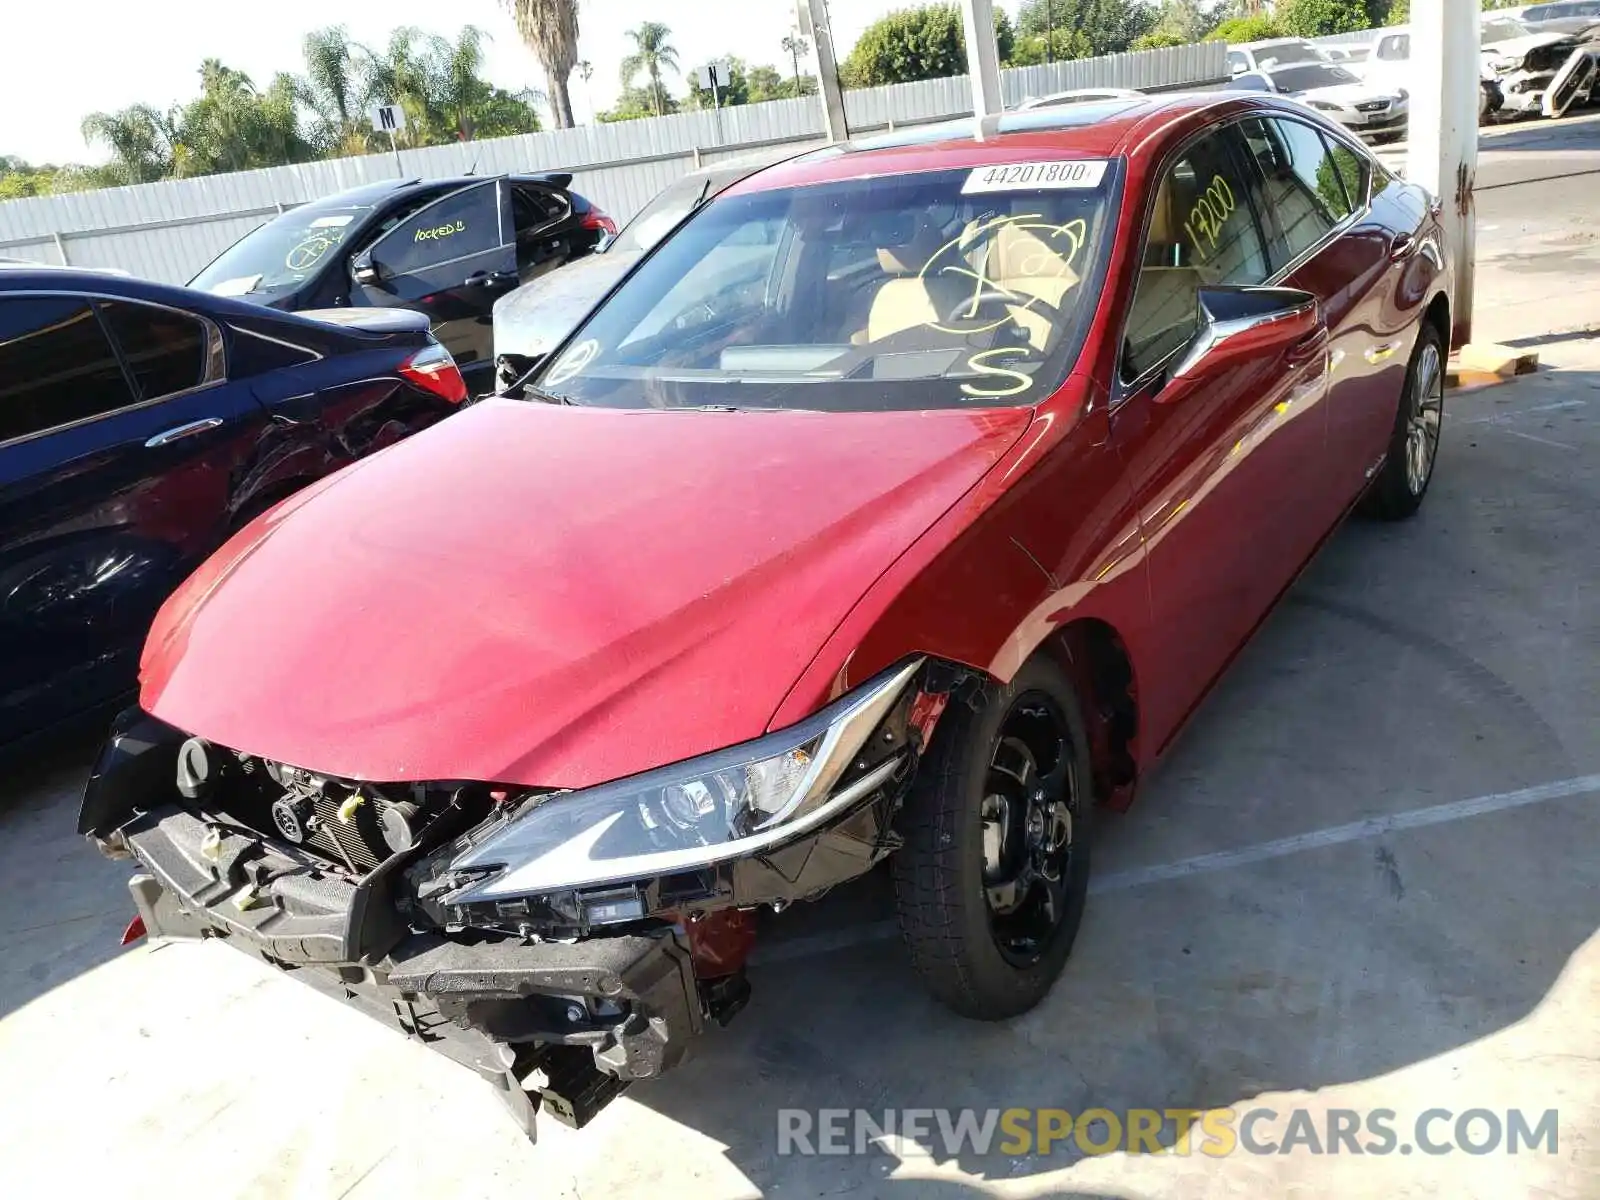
(165, 350)
(56, 366)
(464, 223)
(1302, 190)
(1202, 232)
(1237, 62)
(533, 208)
(1354, 170)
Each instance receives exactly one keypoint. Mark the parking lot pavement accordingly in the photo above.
(1366, 878)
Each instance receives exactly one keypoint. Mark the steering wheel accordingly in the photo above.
(968, 309)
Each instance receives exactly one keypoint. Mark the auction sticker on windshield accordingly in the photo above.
(1019, 177)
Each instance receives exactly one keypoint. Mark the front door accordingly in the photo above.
(452, 260)
(1220, 472)
(115, 476)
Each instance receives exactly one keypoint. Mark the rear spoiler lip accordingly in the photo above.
(371, 322)
(560, 179)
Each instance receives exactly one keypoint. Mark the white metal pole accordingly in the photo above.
(983, 58)
(1443, 156)
(395, 146)
(826, 63)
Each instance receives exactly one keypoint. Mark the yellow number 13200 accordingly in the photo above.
(1209, 213)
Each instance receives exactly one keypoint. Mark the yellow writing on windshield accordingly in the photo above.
(981, 363)
(996, 255)
(306, 254)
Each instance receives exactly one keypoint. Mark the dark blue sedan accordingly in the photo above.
(140, 426)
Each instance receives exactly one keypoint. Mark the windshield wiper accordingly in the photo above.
(539, 393)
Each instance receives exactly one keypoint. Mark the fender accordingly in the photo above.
(1049, 537)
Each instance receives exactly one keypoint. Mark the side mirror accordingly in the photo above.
(364, 270)
(1242, 323)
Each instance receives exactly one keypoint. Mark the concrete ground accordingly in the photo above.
(1364, 879)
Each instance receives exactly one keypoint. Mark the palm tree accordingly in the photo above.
(140, 139)
(796, 46)
(550, 28)
(335, 89)
(652, 54)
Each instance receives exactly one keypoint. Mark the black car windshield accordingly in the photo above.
(1285, 53)
(1311, 75)
(282, 253)
(928, 290)
(1501, 29)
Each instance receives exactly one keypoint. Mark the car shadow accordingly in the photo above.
(1414, 665)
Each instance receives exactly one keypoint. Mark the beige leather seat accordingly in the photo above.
(1166, 300)
(908, 299)
(1037, 263)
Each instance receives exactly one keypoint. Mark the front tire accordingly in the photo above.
(1414, 442)
(991, 882)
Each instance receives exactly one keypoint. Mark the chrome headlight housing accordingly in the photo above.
(729, 804)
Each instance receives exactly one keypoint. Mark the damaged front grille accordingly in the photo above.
(354, 824)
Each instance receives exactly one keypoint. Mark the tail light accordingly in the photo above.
(434, 371)
(595, 219)
(134, 931)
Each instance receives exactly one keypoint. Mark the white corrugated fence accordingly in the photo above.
(167, 231)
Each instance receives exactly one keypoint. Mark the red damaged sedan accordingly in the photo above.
(900, 505)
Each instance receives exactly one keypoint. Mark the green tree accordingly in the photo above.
(634, 104)
(1314, 18)
(1157, 38)
(19, 179)
(1185, 20)
(653, 53)
(140, 140)
(334, 91)
(1246, 29)
(233, 127)
(1109, 26)
(1063, 45)
(917, 43)
(550, 30)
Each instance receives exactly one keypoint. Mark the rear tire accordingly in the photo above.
(991, 882)
(1401, 485)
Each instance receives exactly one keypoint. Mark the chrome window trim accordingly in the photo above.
(316, 355)
(216, 357)
(1126, 387)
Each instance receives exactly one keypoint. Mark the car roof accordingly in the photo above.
(1092, 129)
(370, 195)
(1283, 41)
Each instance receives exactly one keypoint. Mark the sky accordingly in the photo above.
(113, 55)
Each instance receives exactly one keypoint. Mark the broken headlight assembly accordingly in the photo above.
(731, 804)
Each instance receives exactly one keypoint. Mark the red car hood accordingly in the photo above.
(553, 596)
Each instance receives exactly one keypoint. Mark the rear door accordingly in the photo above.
(1325, 238)
(120, 439)
(450, 260)
(1222, 474)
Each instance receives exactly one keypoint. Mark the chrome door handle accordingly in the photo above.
(1401, 246)
(179, 432)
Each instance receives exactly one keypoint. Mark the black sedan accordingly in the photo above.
(448, 248)
(140, 426)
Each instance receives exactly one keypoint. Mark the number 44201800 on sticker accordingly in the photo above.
(1026, 176)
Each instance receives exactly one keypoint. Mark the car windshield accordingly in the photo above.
(658, 218)
(926, 290)
(1312, 75)
(1288, 52)
(1502, 29)
(282, 253)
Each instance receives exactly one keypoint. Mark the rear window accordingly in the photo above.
(936, 289)
(1312, 75)
(1268, 57)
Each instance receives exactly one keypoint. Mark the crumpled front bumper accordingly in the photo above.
(564, 1027)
